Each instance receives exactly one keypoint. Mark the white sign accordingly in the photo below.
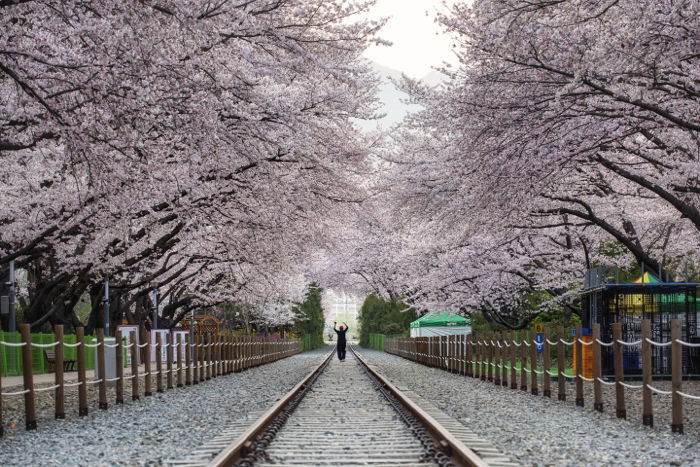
(126, 331)
(179, 338)
(164, 339)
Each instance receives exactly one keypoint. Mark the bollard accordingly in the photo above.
(82, 374)
(59, 394)
(28, 377)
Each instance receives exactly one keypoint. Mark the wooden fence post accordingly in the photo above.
(513, 361)
(533, 365)
(82, 374)
(227, 354)
(28, 377)
(119, 363)
(208, 354)
(490, 351)
(188, 360)
(504, 359)
(525, 338)
(647, 409)
(58, 380)
(214, 355)
(102, 385)
(469, 356)
(159, 363)
(496, 359)
(620, 411)
(578, 365)
(236, 353)
(597, 370)
(202, 352)
(134, 352)
(676, 377)
(2, 424)
(547, 364)
(180, 349)
(147, 367)
(477, 357)
(217, 356)
(561, 379)
(195, 359)
(169, 359)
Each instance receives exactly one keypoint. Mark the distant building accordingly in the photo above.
(341, 306)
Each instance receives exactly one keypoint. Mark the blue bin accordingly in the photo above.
(630, 360)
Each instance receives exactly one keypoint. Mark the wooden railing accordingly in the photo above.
(189, 362)
(510, 361)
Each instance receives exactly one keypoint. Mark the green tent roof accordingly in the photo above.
(440, 318)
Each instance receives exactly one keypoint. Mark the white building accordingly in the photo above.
(341, 306)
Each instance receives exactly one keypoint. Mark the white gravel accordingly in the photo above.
(535, 430)
(164, 426)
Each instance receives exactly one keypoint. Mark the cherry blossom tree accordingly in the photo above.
(173, 145)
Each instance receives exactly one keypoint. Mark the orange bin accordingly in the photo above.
(586, 354)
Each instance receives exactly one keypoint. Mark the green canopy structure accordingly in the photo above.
(440, 323)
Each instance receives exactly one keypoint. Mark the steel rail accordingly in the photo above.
(241, 446)
(458, 453)
(452, 447)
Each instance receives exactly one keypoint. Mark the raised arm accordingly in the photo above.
(346, 326)
(334, 325)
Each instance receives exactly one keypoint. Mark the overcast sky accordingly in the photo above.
(418, 42)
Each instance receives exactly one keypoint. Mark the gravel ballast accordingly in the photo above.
(535, 430)
(164, 426)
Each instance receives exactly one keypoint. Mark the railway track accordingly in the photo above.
(346, 413)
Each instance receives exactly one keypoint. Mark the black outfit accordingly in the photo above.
(341, 343)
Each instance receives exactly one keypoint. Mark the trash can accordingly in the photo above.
(630, 360)
(586, 352)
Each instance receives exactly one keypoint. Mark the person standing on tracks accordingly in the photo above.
(341, 339)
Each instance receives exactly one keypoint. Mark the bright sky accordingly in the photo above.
(418, 41)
